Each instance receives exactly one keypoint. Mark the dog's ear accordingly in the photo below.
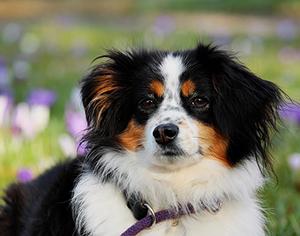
(245, 108)
(105, 96)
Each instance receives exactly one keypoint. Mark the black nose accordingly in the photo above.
(165, 133)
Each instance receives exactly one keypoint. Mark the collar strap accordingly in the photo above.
(141, 209)
(154, 218)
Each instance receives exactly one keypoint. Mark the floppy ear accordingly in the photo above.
(104, 94)
(245, 108)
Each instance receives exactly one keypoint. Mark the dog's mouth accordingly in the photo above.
(170, 151)
(173, 153)
(173, 159)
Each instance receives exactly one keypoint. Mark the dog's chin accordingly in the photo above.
(173, 159)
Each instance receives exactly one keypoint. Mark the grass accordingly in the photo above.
(283, 200)
(57, 65)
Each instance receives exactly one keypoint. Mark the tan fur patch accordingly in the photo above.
(214, 143)
(100, 102)
(106, 84)
(188, 88)
(157, 87)
(132, 136)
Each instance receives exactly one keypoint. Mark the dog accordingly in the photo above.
(182, 133)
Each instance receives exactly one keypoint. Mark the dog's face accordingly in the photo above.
(176, 108)
(175, 114)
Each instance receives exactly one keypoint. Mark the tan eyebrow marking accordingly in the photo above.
(188, 87)
(157, 87)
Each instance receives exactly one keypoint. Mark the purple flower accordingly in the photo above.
(287, 30)
(25, 175)
(4, 74)
(222, 39)
(81, 148)
(64, 20)
(164, 25)
(76, 123)
(291, 112)
(76, 126)
(42, 97)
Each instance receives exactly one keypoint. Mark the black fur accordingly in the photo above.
(41, 207)
(245, 107)
(242, 107)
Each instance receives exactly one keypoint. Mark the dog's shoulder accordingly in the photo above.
(41, 206)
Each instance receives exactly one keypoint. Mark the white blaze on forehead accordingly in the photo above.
(171, 111)
(171, 68)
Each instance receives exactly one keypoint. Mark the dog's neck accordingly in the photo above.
(203, 182)
(196, 186)
(140, 209)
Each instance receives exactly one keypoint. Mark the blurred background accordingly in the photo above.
(47, 46)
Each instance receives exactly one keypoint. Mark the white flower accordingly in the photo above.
(294, 161)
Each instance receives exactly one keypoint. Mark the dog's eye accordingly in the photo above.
(199, 102)
(147, 104)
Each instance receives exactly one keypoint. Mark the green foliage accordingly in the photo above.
(253, 6)
(282, 200)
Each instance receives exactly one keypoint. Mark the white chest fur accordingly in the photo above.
(100, 209)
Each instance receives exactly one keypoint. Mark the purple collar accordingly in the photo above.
(154, 218)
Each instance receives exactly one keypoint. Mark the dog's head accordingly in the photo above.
(176, 108)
